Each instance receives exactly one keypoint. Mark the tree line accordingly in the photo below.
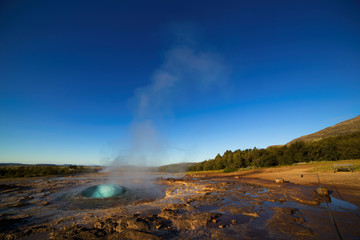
(330, 149)
(36, 171)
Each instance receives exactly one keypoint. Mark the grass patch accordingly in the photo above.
(328, 166)
(317, 166)
(41, 171)
(201, 172)
(229, 170)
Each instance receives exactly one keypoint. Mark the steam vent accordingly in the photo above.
(103, 191)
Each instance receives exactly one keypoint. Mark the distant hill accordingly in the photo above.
(176, 167)
(343, 128)
(11, 164)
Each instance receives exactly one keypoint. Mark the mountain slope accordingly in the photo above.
(343, 128)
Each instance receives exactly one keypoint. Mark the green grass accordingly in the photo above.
(328, 166)
(209, 171)
(40, 171)
(318, 166)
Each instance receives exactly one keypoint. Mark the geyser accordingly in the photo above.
(103, 191)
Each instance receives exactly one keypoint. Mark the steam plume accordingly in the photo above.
(186, 70)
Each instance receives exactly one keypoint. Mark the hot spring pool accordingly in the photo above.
(103, 191)
(107, 195)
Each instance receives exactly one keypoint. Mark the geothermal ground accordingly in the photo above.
(241, 205)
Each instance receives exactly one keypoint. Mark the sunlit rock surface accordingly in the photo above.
(170, 208)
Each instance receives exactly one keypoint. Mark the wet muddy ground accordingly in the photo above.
(172, 208)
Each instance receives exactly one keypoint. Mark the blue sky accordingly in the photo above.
(158, 82)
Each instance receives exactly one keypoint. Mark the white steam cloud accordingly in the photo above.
(185, 71)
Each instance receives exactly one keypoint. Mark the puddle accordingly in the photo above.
(341, 205)
(335, 205)
(251, 195)
(263, 191)
(226, 220)
(207, 208)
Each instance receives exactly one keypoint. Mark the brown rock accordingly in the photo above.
(133, 224)
(168, 213)
(194, 221)
(322, 191)
(131, 234)
(99, 225)
(137, 224)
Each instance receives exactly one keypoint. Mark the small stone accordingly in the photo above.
(324, 191)
(99, 225)
(233, 221)
(279, 180)
(251, 214)
(300, 220)
(214, 220)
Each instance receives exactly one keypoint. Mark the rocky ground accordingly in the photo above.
(206, 206)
